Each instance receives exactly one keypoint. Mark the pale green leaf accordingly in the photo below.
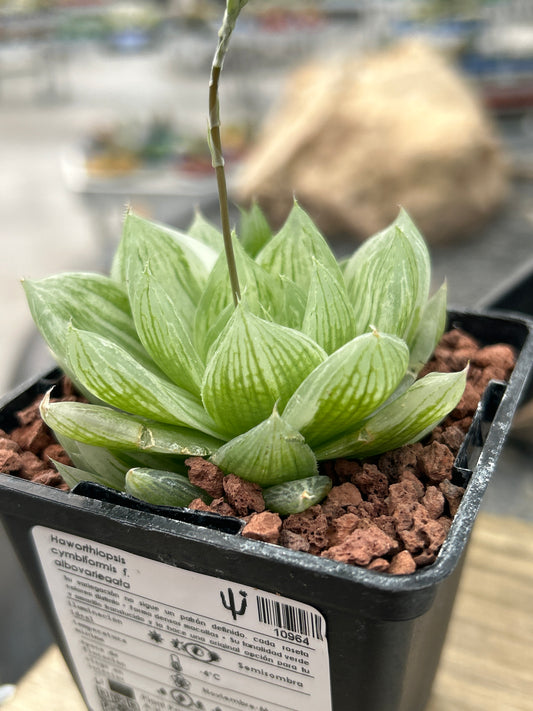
(216, 330)
(197, 250)
(429, 333)
(430, 330)
(262, 292)
(105, 427)
(74, 475)
(162, 488)
(329, 317)
(113, 464)
(255, 231)
(256, 364)
(347, 387)
(290, 304)
(168, 462)
(292, 250)
(200, 256)
(405, 420)
(164, 334)
(86, 301)
(110, 470)
(294, 497)
(112, 375)
(388, 280)
(172, 259)
(269, 453)
(343, 263)
(202, 230)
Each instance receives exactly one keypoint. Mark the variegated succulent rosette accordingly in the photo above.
(318, 360)
(292, 360)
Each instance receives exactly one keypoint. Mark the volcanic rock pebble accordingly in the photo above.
(402, 563)
(312, 524)
(265, 526)
(362, 546)
(206, 475)
(435, 462)
(244, 497)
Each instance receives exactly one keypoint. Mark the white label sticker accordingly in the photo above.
(146, 636)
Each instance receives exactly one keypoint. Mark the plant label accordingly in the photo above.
(147, 636)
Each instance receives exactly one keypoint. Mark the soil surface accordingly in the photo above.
(390, 513)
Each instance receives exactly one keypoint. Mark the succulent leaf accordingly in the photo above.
(182, 359)
(430, 330)
(164, 334)
(203, 231)
(113, 376)
(256, 364)
(388, 280)
(329, 316)
(162, 488)
(294, 497)
(74, 475)
(292, 251)
(259, 286)
(290, 303)
(174, 260)
(255, 231)
(406, 419)
(104, 427)
(115, 463)
(87, 301)
(347, 387)
(97, 460)
(270, 452)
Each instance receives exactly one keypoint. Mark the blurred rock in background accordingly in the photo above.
(352, 140)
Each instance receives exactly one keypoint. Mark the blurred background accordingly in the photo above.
(354, 106)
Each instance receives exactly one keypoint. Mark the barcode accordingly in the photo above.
(289, 617)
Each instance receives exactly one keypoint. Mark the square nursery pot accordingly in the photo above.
(515, 295)
(164, 609)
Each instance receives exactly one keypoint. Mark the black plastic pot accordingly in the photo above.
(266, 628)
(513, 295)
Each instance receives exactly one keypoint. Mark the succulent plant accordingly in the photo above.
(318, 360)
(293, 360)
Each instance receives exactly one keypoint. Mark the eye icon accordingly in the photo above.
(203, 654)
(182, 698)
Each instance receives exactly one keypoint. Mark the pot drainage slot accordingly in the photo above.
(470, 450)
(223, 524)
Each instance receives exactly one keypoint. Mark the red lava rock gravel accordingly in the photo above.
(389, 514)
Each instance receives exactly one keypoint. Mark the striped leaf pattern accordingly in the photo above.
(388, 280)
(104, 427)
(293, 250)
(113, 376)
(257, 364)
(269, 453)
(347, 387)
(164, 334)
(315, 362)
(329, 315)
(259, 288)
(90, 302)
(407, 419)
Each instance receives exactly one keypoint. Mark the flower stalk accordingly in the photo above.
(233, 8)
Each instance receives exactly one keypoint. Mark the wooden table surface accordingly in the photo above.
(487, 663)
